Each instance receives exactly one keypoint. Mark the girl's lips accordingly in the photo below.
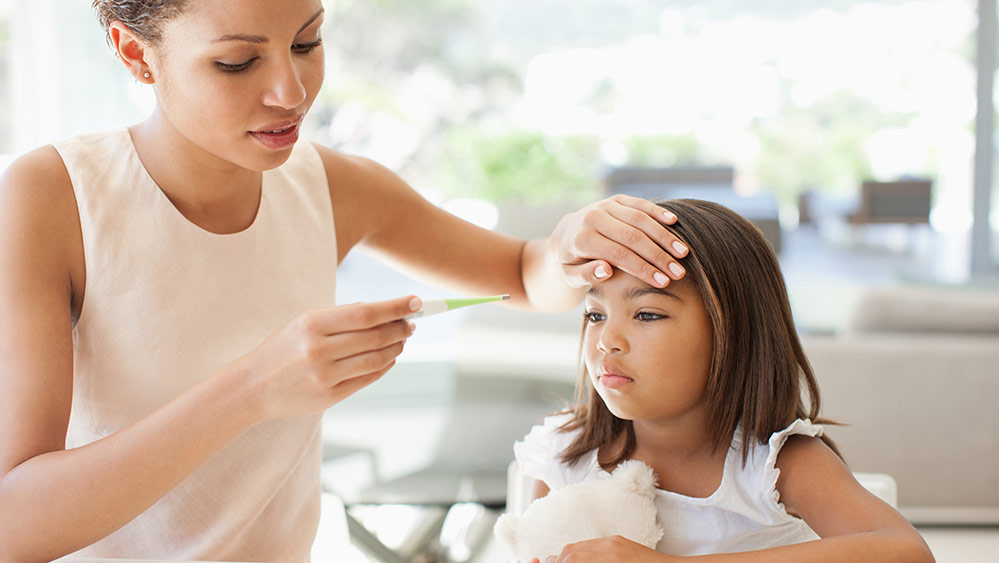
(615, 381)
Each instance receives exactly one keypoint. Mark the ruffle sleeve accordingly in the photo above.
(537, 454)
(771, 473)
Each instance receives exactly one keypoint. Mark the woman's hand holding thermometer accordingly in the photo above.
(442, 305)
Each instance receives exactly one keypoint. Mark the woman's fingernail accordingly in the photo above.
(670, 217)
(660, 278)
(412, 326)
(675, 268)
(679, 247)
(601, 272)
(415, 304)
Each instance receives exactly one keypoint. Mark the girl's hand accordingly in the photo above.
(613, 549)
(325, 355)
(621, 232)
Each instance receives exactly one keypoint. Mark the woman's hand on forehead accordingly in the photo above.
(620, 232)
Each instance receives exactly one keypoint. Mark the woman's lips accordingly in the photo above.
(278, 136)
(277, 139)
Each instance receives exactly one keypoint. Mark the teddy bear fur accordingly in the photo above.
(621, 504)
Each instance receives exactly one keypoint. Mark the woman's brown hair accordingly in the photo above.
(758, 369)
(144, 17)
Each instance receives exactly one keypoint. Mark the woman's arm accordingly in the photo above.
(375, 208)
(586, 247)
(54, 501)
(854, 525)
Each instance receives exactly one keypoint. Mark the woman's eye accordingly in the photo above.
(234, 67)
(303, 48)
(593, 317)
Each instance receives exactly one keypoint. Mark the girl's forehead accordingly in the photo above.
(623, 285)
(620, 282)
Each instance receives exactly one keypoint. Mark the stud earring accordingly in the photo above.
(145, 75)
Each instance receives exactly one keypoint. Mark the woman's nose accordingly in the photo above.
(286, 89)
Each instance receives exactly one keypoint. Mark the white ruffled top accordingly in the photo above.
(743, 514)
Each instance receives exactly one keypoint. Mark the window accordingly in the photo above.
(514, 99)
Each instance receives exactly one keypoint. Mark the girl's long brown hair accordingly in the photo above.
(758, 370)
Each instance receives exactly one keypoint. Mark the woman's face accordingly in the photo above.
(648, 350)
(236, 78)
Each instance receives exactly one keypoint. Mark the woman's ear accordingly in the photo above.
(131, 50)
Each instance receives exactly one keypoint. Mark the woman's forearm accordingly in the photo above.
(62, 501)
(544, 281)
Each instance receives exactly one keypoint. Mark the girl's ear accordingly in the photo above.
(131, 50)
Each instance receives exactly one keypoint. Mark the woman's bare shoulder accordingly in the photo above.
(366, 196)
(41, 227)
(34, 177)
(36, 197)
(359, 175)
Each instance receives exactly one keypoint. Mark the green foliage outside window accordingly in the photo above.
(821, 147)
(519, 165)
(467, 141)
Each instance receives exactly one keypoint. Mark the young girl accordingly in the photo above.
(169, 337)
(703, 381)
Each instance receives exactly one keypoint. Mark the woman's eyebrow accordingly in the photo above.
(261, 38)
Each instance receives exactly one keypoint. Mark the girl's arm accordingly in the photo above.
(533, 490)
(375, 208)
(854, 525)
(54, 501)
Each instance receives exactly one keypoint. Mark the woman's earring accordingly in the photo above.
(145, 75)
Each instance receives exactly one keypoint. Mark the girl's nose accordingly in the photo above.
(286, 89)
(611, 340)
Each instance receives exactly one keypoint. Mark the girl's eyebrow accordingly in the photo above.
(261, 38)
(640, 291)
(635, 292)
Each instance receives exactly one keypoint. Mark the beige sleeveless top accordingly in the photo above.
(166, 305)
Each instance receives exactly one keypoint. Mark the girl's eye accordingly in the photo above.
(227, 67)
(303, 48)
(593, 317)
(646, 316)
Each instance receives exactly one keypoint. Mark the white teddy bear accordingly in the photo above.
(621, 504)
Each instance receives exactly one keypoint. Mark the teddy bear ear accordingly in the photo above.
(637, 476)
(505, 531)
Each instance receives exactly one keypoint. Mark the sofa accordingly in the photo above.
(914, 375)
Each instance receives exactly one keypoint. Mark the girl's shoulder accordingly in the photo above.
(538, 454)
(758, 476)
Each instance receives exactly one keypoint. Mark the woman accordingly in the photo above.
(152, 404)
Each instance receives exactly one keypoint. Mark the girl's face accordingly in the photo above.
(648, 350)
(236, 78)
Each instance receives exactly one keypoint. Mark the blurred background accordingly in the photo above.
(858, 134)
